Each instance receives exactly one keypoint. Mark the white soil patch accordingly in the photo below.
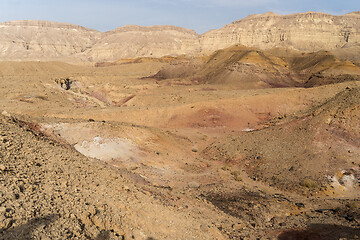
(108, 149)
(98, 143)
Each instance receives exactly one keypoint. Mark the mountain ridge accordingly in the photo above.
(45, 23)
(46, 40)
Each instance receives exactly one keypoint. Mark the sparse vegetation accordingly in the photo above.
(309, 183)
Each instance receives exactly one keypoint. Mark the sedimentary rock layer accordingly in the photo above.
(42, 40)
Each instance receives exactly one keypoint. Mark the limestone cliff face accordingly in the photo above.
(43, 40)
(304, 31)
(135, 41)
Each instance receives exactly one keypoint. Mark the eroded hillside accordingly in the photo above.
(250, 68)
(311, 31)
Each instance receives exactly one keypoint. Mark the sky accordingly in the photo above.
(199, 15)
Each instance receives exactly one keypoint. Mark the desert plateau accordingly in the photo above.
(250, 131)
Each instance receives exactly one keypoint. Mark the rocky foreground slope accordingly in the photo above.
(311, 31)
(50, 191)
(328, 133)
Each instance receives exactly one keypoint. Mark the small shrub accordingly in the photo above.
(226, 168)
(309, 183)
(235, 173)
(238, 178)
(353, 205)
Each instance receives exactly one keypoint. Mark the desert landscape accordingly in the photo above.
(250, 131)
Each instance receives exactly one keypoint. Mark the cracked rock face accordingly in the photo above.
(304, 31)
(136, 41)
(33, 40)
(42, 40)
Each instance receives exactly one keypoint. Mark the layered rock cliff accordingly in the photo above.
(308, 31)
(43, 40)
(136, 41)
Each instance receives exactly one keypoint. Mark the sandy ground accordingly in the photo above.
(123, 156)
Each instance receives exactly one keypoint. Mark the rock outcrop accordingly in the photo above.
(308, 31)
(136, 41)
(43, 40)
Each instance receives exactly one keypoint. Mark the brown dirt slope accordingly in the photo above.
(247, 67)
(42, 190)
(48, 190)
(322, 68)
(251, 68)
(237, 66)
(304, 153)
(350, 53)
(10, 69)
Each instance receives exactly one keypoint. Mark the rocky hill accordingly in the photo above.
(136, 41)
(328, 134)
(252, 68)
(41, 40)
(308, 31)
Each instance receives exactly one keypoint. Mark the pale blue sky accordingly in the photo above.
(199, 15)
